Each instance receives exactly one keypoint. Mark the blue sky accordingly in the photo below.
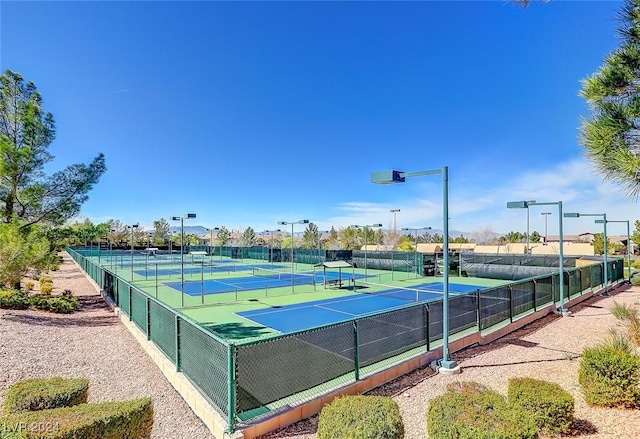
(248, 113)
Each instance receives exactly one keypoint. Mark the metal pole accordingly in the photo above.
(561, 254)
(628, 252)
(606, 265)
(446, 362)
(182, 261)
(365, 251)
(292, 273)
(527, 229)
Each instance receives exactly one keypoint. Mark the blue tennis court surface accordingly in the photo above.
(210, 269)
(231, 284)
(291, 318)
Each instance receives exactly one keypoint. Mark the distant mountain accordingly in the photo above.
(198, 230)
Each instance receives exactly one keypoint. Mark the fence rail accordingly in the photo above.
(244, 381)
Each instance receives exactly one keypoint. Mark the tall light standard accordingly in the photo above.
(211, 241)
(133, 226)
(394, 212)
(604, 222)
(447, 365)
(284, 223)
(366, 235)
(525, 205)
(546, 215)
(415, 255)
(528, 203)
(181, 219)
(628, 242)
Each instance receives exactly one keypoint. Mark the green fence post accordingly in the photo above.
(356, 350)
(535, 295)
(510, 304)
(130, 303)
(177, 343)
(478, 311)
(231, 387)
(426, 326)
(148, 301)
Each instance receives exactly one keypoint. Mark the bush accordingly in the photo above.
(472, 411)
(609, 375)
(46, 288)
(550, 405)
(45, 393)
(29, 285)
(361, 417)
(45, 281)
(62, 304)
(14, 299)
(635, 281)
(108, 420)
(624, 312)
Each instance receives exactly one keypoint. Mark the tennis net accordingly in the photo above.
(405, 294)
(285, 277)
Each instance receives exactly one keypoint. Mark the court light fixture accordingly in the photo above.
(525, 205)
(284, 223)
(606, 263)
(447, 365)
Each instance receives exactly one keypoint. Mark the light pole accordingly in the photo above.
(366, 235)
(181, 219)
(211, 241)
(628, 243)
(394, 212)
(604, 222)
(546, 215)
(284, 223)
(133, 226)
(447, 365)
(415, 256)
(525, 205)
(528, 203)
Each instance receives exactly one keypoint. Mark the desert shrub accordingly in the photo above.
(14, 299)
(635, 281)
(29, 285)
(550, 405)
(361, 417)
(62, 304)
(46, 288)
(45, 281)
(624, 312)
(635, 264)
(109, 420)
(45, 393)
(610, 374)
(472, 411)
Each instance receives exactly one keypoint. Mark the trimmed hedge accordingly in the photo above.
(470, 410)
(109, 420)
(551, 406)
(14, 299)
(45, 393)
(610, 376)
(361, 417)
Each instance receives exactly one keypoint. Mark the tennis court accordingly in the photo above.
(204, 268)
(261, 279)
(296, 317)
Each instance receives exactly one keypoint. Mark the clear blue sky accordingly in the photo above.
(248, 113)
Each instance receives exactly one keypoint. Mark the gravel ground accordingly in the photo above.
(548, 349)
(90, 344)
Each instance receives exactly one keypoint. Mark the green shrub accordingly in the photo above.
(551, 406)
(472, 411)
(624, 312)
(108, 420)
(45, 393)
(609, 376)
(45, 281)
(14, 299)
(635, 281)
(62, 304)
(29, 285)
(635, 264)
(361, 417)
(46, 288)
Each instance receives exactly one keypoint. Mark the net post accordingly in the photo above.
(231, 387)
(356, 350)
